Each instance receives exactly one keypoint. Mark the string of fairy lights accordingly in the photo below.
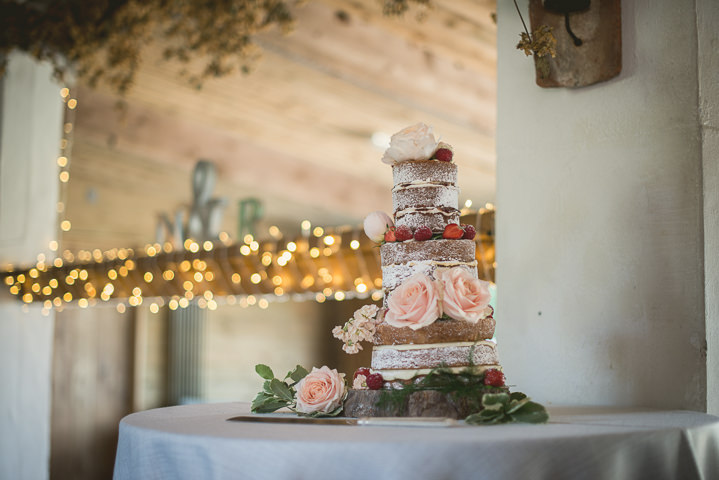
(319, 264)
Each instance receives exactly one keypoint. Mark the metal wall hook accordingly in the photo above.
(566, 7)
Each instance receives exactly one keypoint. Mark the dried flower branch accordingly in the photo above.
(102, 40)
(540, 43)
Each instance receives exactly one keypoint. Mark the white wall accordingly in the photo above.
(30, 132)
(708, 41)
(600, 220)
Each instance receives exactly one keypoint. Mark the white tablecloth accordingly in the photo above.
(197, 442)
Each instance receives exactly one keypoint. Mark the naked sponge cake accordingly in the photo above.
(435, 315)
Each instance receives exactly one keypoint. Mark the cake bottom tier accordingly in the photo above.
(424, 403)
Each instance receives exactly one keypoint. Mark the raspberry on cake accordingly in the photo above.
(403, 233)
(423, 233)
(469, 232)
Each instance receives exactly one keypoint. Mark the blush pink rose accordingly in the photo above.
(464, 297)
(414, 304)
(322, 390)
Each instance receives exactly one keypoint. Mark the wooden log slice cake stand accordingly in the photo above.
(422, 403)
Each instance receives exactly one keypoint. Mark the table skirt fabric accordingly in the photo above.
(197, 442)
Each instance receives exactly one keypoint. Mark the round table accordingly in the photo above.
(198, 442)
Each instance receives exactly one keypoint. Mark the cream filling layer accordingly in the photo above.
(427, 346)
(390, 375)
(421, 184)
(437, 263)
(407, 211)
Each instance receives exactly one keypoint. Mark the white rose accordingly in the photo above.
(413, 143)
(376, 224)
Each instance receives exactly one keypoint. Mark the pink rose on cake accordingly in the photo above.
(414, 304)
(376, 225)
(464, 297)
(413, 143)
(321, 391)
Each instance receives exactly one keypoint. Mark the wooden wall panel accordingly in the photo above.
(91, 390)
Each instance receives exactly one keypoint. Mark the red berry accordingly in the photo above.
(403, 233)
(389, 235)
(453, 231)
(361, 371)
(494, 378)
(469, 232)
(423, 233)
(375, 381)
(443, 154)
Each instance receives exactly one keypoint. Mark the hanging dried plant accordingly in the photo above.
(102, 40)
(540, 43)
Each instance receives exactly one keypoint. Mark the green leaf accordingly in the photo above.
(297, 374)
(263, 403)
(266, 387)
(531, 412)
(333, 413)
(260, 398)
(264, 371)
(517, 396)
(485, 417)
(281, 389)
(515, 405)
(272, 405)
(495, 401)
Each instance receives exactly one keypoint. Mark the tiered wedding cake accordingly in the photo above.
(436, 311)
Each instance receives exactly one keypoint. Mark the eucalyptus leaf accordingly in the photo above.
(531, 412)
(281, 389)
(264, 371)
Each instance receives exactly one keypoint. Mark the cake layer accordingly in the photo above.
(416, 374)
(441, 331)
(425, 195)
(424, 171)
(460, 251)
(455, 354)
(394, 275)
(436, 218)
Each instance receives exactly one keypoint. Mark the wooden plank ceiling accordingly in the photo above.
(295, 132)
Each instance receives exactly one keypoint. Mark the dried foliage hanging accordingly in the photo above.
(102, 40)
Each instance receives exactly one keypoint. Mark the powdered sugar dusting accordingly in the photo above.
(482, 353)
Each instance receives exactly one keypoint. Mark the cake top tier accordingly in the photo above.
(424, 171)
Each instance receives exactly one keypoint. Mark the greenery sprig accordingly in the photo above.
(465, 384)
(507, 408)
(276, 393)
(492, 404)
